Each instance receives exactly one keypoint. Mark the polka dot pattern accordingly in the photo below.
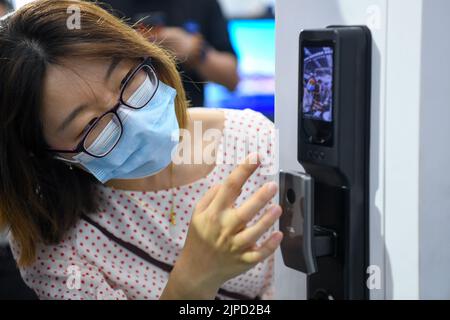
(104, 270)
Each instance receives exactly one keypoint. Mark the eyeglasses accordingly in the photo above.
(110, 123)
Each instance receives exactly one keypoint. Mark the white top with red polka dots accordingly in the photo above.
(88, 265)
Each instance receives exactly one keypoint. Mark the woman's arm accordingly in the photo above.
(219, 67)
(61, 274)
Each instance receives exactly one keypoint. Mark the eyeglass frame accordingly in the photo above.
(80, 147)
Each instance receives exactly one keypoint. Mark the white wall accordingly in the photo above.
(402, 148)
(434, 227)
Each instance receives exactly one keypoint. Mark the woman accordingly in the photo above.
(96, 205)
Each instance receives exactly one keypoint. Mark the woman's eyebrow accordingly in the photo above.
(114, 63)
(71, 117)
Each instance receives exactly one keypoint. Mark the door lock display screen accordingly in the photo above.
(318, 83)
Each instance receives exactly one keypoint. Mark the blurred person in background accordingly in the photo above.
(195, 31)
(5, 7)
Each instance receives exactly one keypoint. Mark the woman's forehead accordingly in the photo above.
(71, 69)
(65, 82)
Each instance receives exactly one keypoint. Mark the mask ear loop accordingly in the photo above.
(67, 161)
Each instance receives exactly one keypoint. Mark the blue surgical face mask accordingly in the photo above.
(149, 137)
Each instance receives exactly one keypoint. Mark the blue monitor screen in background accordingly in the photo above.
(254, 42)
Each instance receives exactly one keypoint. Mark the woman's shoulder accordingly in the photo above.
(235, 119)
(248, 120)
(211, 118)
(242, 132)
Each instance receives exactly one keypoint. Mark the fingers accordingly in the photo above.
(252, 206)
(207, 198)
(231, 189)
(264, 251)
(250, 235)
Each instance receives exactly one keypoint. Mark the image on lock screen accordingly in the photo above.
(318, 83)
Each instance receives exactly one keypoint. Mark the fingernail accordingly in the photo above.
(253, 158)
(275, 211)
(277, 237)
(272, 187)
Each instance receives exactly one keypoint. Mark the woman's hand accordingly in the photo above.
(219, 245)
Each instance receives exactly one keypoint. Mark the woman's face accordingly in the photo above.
(76, 92)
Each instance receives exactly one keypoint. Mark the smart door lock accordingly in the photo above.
(325, 218)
